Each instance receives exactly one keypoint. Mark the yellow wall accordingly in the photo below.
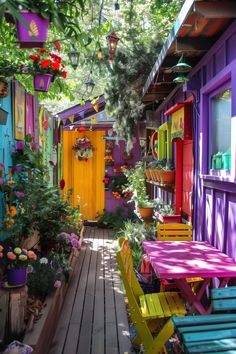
(85, 177)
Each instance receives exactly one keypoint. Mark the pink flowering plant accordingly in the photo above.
(70, 239)
(16, 257)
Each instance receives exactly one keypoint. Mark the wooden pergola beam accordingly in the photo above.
(216, 9)
(192, 44)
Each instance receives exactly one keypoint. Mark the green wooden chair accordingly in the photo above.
(214, 333)
(147, 307)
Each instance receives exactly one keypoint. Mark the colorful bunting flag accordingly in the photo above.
(96, 107)
(81, 114)
(72, 118)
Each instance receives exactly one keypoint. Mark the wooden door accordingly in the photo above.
(85, 177)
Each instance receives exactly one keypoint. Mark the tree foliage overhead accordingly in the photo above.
(84, 24)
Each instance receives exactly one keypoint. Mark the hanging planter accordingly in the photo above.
(36, 35)
(42, 82)
(83, 149)
(3, 88)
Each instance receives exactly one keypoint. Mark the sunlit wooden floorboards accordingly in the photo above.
(93, 318)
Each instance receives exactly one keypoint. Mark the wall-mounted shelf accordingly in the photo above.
(167, 187)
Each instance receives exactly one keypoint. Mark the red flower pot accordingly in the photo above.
(168, 219)
(42, 82)
(37, 35)
(16, 276)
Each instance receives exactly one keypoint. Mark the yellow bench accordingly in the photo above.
(147, 307)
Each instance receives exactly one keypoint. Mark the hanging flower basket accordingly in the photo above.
(3, 89)
(37, 35)
(42, 82)
(83, 149)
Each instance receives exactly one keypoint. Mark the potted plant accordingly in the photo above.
(16, 259)
(46, 66)
(167, 173)
(136, 185)
(32, 18)
(166, 214)
(7, 71)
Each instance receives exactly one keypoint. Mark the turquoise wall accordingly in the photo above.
(6, 140)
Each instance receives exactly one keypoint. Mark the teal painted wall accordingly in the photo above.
(6, 141)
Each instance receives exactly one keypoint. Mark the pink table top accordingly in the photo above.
(184, 259)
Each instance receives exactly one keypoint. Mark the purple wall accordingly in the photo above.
(214, 197)
(111, 203)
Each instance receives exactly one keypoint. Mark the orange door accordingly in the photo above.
(85, 177)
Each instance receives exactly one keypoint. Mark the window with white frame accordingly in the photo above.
(220, 130)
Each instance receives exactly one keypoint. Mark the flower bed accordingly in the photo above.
(43, 331)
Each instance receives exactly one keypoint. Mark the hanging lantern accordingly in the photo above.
(116, 5)
(100, 54)
(112, 41)
(180, 79)
(181, 66)
(89, 85)
(74, 58)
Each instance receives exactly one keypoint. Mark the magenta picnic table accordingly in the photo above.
(180, 260)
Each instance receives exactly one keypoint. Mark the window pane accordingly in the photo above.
(221, 124)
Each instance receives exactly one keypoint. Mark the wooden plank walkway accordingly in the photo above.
(93, 318)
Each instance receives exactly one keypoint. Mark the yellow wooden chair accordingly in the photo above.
(146, 307)
(175, 232)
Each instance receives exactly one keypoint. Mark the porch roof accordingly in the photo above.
(199, 24)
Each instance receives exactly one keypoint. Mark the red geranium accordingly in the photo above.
(64, 74)
(45, 62)
(56, 65)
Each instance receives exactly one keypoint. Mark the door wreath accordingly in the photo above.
(83, 149)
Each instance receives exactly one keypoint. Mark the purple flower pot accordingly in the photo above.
(42, 82)
(16, 276)
(37, 35)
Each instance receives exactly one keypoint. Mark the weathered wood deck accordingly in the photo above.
(93, 318)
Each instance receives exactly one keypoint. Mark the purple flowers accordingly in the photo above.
(57, 284)
(20, 145)
(19, 194)
(72, 238)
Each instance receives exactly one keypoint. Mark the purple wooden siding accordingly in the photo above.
(214, 199)
(112, 203)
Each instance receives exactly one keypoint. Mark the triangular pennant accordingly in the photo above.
(96, 107)
(58, 121)
(93, 120)
(81, 114)
(72, 118)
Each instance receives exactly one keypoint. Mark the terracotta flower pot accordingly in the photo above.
(148, 174)
(145, 212)
(42, 82)
(37, 35)
(167, 177)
